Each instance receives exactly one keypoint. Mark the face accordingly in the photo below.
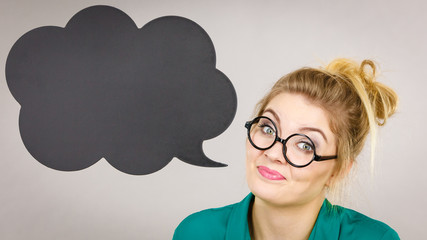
(274, 180)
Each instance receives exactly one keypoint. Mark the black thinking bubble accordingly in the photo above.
(102, 88)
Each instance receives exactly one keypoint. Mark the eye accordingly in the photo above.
(266, 129)
(305, 146)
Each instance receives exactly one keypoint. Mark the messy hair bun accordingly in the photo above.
(382, 99)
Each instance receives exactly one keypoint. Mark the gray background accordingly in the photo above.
(256, 42)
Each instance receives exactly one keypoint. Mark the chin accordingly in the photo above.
(274, 193)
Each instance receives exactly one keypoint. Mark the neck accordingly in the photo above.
(294, 222)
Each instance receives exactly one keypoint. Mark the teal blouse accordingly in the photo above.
(333, 223)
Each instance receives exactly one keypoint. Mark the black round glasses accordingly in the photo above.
(298, 149)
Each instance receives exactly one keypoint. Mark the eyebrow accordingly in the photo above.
(274, 114)
(307, 129)
(311, 129)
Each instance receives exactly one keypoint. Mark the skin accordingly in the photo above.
(288, 208)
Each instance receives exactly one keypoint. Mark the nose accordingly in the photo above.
(275, 153)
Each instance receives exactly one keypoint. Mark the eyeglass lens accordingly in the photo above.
(298, 148)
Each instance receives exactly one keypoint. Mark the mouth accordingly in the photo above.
(270, 174)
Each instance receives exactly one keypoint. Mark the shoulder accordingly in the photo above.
(210, 223)
(360, 226)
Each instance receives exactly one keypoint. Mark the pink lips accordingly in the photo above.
(270, 174)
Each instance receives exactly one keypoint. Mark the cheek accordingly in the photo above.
(315, 176)
(252, 155)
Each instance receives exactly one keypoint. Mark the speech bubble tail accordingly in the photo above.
(198, 158)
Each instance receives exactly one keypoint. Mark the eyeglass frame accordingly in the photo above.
(316, 157)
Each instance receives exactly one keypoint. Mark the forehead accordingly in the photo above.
(296, 111)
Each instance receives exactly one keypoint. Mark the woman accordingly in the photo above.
(305, 137)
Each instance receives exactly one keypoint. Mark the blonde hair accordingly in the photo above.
(354, 101)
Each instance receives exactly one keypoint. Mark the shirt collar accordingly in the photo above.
(324, 228)
(237, 226)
